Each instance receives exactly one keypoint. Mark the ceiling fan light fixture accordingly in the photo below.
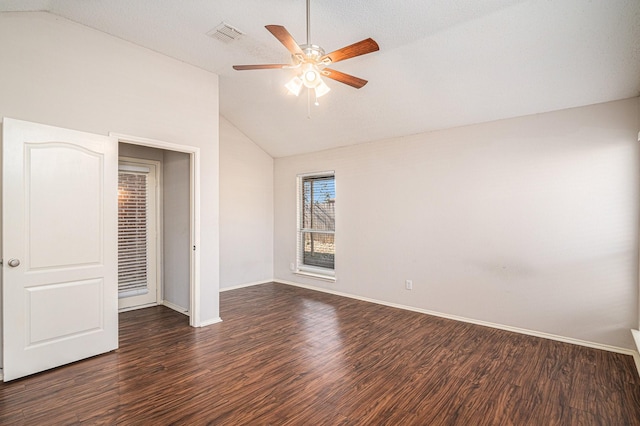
(294, 86)
(310, 76)
(322, 89)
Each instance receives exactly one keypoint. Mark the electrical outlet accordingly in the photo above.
(408, 284)
(292, 267)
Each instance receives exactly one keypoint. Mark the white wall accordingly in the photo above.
(246, 209)
(64, 74)
(529, 222)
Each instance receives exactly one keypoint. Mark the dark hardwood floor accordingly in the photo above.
(290, 356)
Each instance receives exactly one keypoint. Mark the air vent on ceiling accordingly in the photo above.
(225, 33)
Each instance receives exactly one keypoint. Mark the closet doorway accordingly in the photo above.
(155, 228)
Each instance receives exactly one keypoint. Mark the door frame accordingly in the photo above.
(194, 215)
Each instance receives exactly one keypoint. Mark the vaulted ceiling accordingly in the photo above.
(441, 64)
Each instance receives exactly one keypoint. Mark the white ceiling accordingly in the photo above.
(441, 64)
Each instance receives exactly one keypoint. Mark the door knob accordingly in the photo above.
(14, 262)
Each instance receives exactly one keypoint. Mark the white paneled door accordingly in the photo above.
(59, 245)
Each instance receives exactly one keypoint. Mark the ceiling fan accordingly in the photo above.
(311, 61)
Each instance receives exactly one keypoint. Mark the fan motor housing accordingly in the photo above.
(312, 51)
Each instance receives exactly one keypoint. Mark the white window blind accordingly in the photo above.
(316, 220)
(133, 221)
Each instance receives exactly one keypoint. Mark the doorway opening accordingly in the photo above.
(176, 227)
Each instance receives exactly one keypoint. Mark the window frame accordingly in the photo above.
(302, 268)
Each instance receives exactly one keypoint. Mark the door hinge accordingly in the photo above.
(194, 248)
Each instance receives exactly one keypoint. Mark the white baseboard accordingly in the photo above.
(534, 333)
(636, 359)
(210, 322)
(185, 311)
(235, 287)
(636, 338)
(175, 307)
(636, 355)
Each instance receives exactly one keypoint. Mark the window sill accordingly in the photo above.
(320, 276)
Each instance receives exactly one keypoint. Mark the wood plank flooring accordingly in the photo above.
(290, 356)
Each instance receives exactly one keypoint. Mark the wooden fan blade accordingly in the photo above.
(356, 49)
(344, 78)
(285, 38)
(259, 67)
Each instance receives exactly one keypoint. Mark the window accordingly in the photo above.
(316, 224)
